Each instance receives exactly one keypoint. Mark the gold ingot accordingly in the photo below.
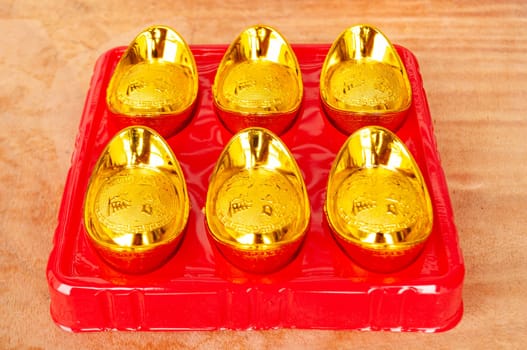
(364, 82)
(155, 82)
(377, 202)
(257, 207)
(258, 82)
(136, 206)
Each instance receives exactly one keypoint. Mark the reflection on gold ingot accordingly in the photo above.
(136, 205)
(377, 201)
(258, 82)
(364, 82)
(257, 207)
(156, 78)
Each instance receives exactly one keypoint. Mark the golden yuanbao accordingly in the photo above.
(258, 82)
(364, 82)
(136, 206)
(155, 77)
(377, 202)
(257, 207)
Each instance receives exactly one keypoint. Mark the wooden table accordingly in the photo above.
(473, 62)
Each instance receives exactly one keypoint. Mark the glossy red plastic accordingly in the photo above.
(197, 288)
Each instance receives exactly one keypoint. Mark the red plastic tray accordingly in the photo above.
(198, 289)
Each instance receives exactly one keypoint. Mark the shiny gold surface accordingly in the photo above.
(257, 206)
(258, 82)
(363, 81)
(136, 201)
(376, 196)
(156, 75)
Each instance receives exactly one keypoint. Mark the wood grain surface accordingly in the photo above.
(473, 61)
